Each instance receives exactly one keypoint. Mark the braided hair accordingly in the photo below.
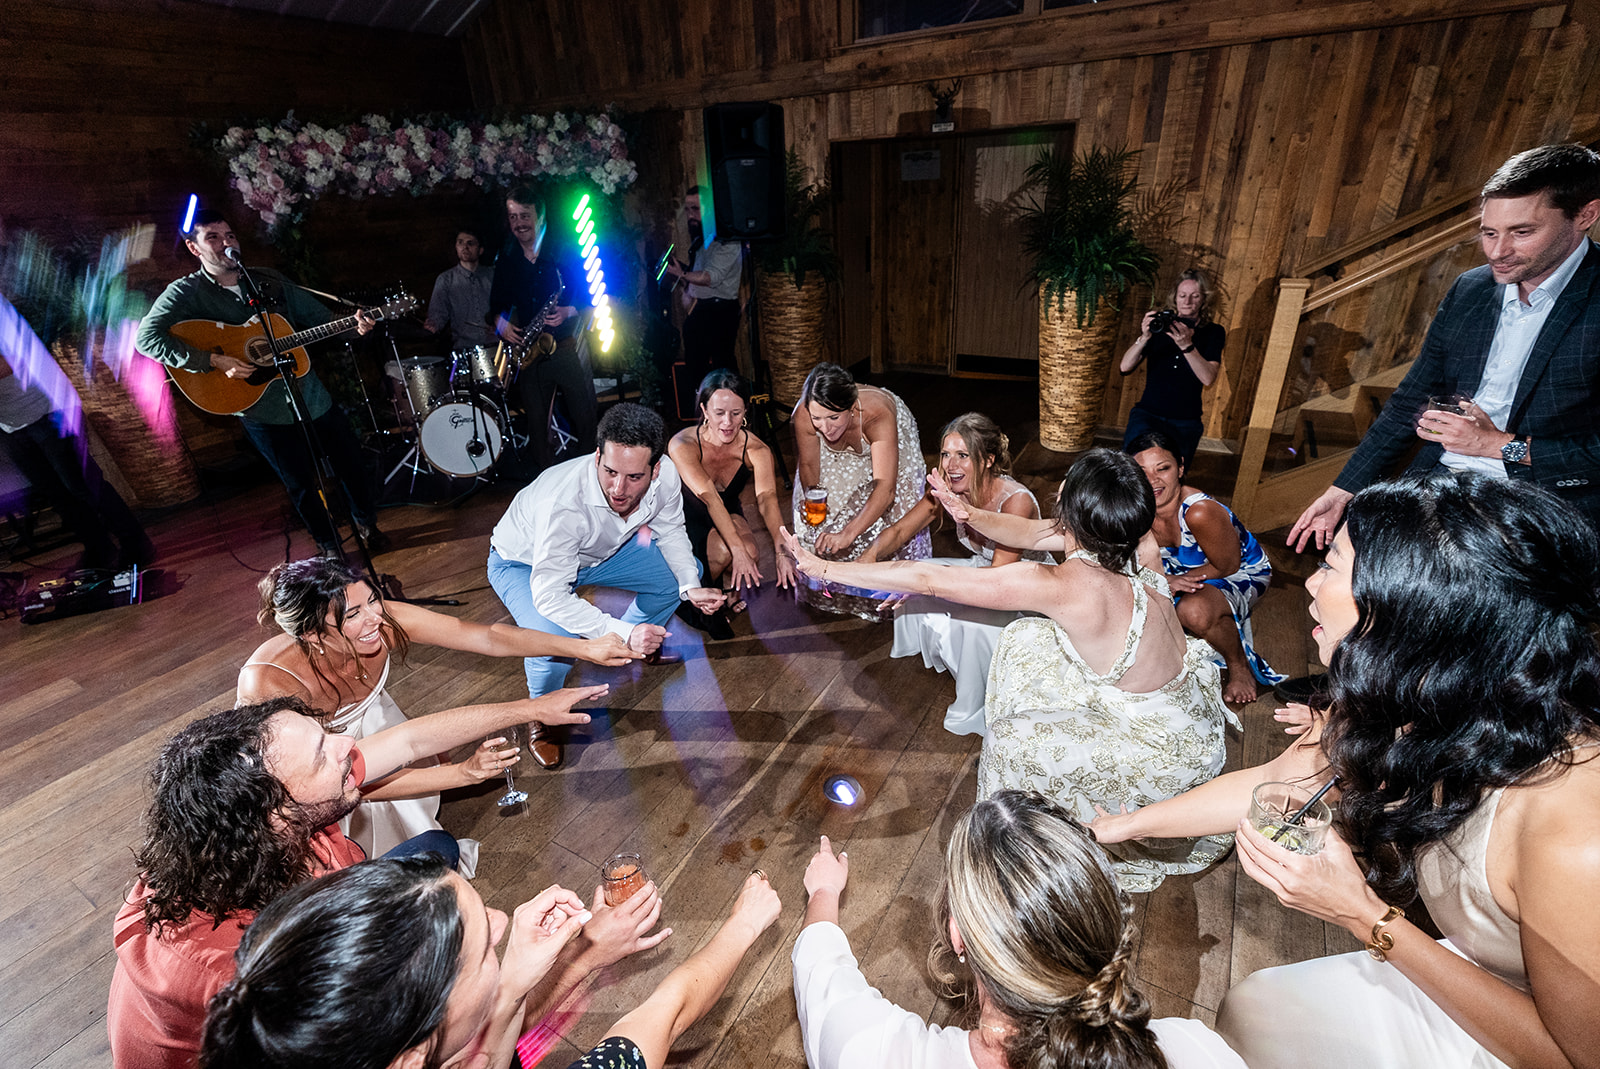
(1048, 935)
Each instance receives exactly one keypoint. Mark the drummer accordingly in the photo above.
(461, 296)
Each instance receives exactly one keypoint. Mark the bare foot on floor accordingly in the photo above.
(1240, 688)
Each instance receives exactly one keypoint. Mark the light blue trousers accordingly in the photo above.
(639, 568)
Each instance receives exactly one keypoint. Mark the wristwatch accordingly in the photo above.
(1516, 450)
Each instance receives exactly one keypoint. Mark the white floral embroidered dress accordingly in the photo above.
(1057, 727)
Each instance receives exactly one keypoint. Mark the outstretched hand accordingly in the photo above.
(827, 871)
(1109, 827)
(744, 572)
(540, 929)
(557, 706)
(785, 569)
(617, 931)
(610, 650)
(1297, 715)
(953, 503)
(1320, 520)
(805, 561)
(492, 757)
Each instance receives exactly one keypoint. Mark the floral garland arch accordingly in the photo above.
(280, 170)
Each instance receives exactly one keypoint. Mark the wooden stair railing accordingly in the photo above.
(1291, 491)
(1266, 504)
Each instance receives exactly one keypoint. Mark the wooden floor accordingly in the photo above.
(706, 769)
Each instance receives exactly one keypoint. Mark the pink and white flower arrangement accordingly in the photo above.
(280, 169)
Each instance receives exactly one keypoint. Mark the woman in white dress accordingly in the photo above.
(860, 444)
(1099, 700)
(1034, 937)
(333, 653)
(975, 463)
(1456, 615)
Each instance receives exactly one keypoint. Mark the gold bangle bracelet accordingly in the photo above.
(1382, 942)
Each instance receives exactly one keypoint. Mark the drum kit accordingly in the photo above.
(457, 408)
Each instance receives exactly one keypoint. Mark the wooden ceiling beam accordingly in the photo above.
(1094, 33)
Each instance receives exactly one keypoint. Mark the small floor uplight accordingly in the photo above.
(842, 789)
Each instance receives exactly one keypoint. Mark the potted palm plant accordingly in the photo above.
(795, 271)
(1081, 230)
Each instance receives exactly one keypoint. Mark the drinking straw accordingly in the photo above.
(1300, 814)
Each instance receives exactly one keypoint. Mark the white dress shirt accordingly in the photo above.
(846, 1023)
(562, 522)
(1514, 336)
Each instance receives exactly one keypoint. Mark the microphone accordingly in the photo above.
(232, 255)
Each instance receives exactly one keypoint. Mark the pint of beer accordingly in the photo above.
(816, 506)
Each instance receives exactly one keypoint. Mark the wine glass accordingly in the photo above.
(512, 795)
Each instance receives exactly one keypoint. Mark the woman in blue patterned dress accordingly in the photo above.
(1215, 567)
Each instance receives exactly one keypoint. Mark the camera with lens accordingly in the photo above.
(1163, 321)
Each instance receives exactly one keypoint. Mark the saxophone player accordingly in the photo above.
(538, 288)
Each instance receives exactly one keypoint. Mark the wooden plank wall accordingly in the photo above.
(1289, 133)
(100, 97)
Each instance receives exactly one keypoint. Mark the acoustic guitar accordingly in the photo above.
(215, 392)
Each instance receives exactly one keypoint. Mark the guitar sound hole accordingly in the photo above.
(258, 352)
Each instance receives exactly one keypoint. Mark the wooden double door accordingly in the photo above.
(934, 273)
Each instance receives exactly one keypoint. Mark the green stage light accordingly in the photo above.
(587, 236)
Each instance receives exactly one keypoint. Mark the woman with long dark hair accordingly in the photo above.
(1099, 700)
(859, 444)
(392, 963)
(336, 633)
(1457, 617)
(1034, 937)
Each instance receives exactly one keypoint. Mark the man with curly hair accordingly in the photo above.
(246, 804)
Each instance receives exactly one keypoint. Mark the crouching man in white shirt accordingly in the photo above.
(613, 520)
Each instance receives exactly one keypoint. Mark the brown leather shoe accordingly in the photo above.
(542, 746)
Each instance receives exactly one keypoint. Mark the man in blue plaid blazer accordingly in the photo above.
(1519, 336)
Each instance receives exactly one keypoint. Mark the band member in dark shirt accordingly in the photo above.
(537, 288)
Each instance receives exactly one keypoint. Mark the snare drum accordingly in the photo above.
(460, 438)
(427, 380)
(476, 361)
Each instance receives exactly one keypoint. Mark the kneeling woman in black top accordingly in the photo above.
(716, 459)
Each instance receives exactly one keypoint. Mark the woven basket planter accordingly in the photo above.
(794, 337)
(1073, 368)
(143, 441)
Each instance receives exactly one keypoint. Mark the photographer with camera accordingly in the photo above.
(1183, 350)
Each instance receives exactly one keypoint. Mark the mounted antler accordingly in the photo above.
(943, 98)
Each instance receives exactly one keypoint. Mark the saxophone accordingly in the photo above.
(532, 346)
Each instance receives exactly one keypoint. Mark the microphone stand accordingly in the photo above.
(321, 467)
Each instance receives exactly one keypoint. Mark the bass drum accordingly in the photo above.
(460, 438)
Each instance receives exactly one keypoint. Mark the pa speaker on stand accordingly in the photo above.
(745, 151)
